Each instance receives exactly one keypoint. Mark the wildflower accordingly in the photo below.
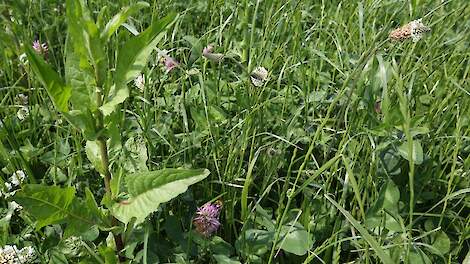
(207, 219)
(414, 30)
(12, 255)
(259, 76)
(18, 177)
(21, 99)
(139, 82)
(40, 48)
(22, 113)
(15, 206)
(169, 63)
(208, 53)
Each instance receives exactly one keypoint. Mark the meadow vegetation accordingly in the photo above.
(253, 131)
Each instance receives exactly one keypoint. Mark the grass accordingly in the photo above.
(309, 151)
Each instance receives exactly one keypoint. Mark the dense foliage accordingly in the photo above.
(235, 131)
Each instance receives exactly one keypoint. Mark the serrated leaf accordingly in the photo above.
(132, 58)
(149, 189)
(55, 86)
(120, 18)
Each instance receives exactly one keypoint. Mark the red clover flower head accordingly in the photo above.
(169, 63)
(40, 48)
(207, 219)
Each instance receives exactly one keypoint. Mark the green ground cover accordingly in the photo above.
(235, 131)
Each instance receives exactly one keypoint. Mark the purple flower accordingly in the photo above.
(169, 63)
(207, 219)
(40, 48)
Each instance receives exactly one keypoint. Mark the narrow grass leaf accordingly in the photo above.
(384, 257)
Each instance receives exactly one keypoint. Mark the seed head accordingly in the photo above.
(414, 30)
(259, 76)
(208, 53)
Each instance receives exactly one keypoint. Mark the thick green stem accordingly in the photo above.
(105, 164)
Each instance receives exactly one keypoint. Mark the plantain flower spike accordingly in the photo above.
(413, 30)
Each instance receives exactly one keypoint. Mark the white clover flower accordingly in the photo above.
(259, 76)
(22, 113)
(27, 254)
(22, 99)
(139, 82)
(12, 255)
(17, 178)
(15, 206)
(23, 59)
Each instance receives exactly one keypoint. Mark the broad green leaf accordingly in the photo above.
(108, 254)
(79, 76)
(296, 239)
(57, 257)
(135, 158)
(54, 205)
(196, 49)
(388, 198)
(132, 58)
(418, 257)
(417, 151)
(83, 120)
(93, 154)
(149, 189)
(120, 18)
(48, 204)
(85, 36)
(57, 90)
(223, 259)
(384, 257)
(254, 242)
(441, 242)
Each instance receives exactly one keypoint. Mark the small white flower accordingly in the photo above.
(22, 113)
(418, 29)
(259, 76)
(17, 178)
(15, 206)
(139, 82)
(12, 255)
(27, 254)
(22, 99)
(8, 185)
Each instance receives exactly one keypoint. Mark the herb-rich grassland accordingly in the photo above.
(347, 147)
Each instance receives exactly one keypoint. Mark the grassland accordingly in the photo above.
(355, 149)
